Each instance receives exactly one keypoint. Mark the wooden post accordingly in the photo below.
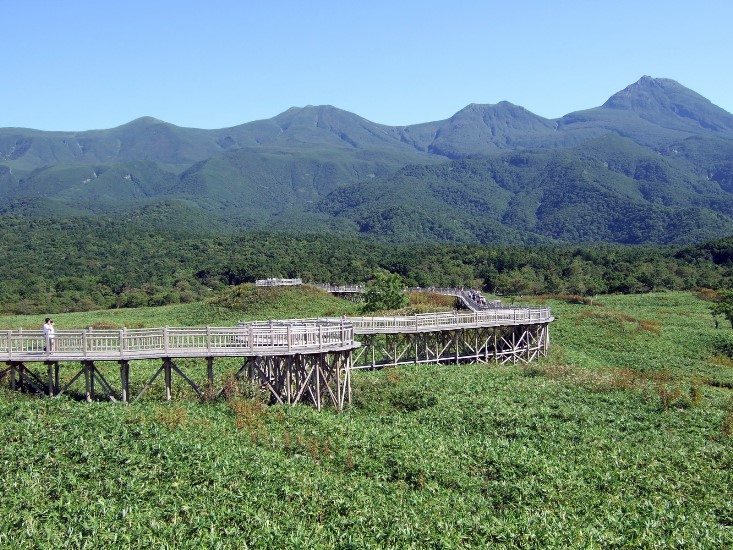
(49, 368)
(458, 337)
(88, 381)
(210, 370)
(317, 366)
(348, 373)
(496, 350)
(168, 377)
(288, 379)
(125, 381)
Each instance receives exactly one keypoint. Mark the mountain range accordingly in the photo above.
(653, 164)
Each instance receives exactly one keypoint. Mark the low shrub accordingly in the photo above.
(569, 298)
(727, 428)
(411, 399)
(617, 318)
(707, 294)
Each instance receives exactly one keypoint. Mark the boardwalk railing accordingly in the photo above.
(272, 281)
(438, 321)
(277, 337)
(341, 289)
(306, 360)
(270, 337)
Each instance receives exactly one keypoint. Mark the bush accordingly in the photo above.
(386, 292)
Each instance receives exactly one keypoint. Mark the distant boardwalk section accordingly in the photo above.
(273, 281)
(501, 335)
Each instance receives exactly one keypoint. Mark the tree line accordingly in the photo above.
(52, 265)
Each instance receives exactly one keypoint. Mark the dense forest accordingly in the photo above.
(97, 263)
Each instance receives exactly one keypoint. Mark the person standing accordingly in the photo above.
(48, 334)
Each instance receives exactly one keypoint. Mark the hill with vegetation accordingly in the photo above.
(80, 264)
(610, 189)
(654, 164)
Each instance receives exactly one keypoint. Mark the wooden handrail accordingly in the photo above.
(256, 337)
(248, 338)
(490, 317)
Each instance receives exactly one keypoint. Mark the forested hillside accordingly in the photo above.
(609, 189)
(652, 165)
(81, 264)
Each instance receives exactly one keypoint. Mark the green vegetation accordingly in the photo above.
(385, 292)
(244, 302)
(723, 305)
(651, 166)
(78, 264)
(623, 437)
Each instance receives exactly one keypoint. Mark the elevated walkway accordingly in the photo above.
(305, 360)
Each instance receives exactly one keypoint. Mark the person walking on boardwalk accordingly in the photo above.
(48, 334)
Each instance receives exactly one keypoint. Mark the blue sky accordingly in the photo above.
(79, 64)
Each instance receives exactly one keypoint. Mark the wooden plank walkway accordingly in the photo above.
(269, 338)
(431, 322)
(306, 360)
(273, 338)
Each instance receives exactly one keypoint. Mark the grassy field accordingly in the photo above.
(623, 437)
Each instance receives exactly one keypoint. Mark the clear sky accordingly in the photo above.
(88, 64)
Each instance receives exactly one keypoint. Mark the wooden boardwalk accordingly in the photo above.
(429, 322)
(264, 338)
(501, 335)
(307, 360)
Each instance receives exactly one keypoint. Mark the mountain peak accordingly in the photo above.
(652, 92)
(668, 103)
(144, 122)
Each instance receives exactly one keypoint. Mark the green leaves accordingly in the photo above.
(724, 306)
(384, 293)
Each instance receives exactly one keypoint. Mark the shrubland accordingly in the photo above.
(621, 437)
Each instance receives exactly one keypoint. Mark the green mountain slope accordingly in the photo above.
(609, 190)
(653, 112)
(652, 164)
